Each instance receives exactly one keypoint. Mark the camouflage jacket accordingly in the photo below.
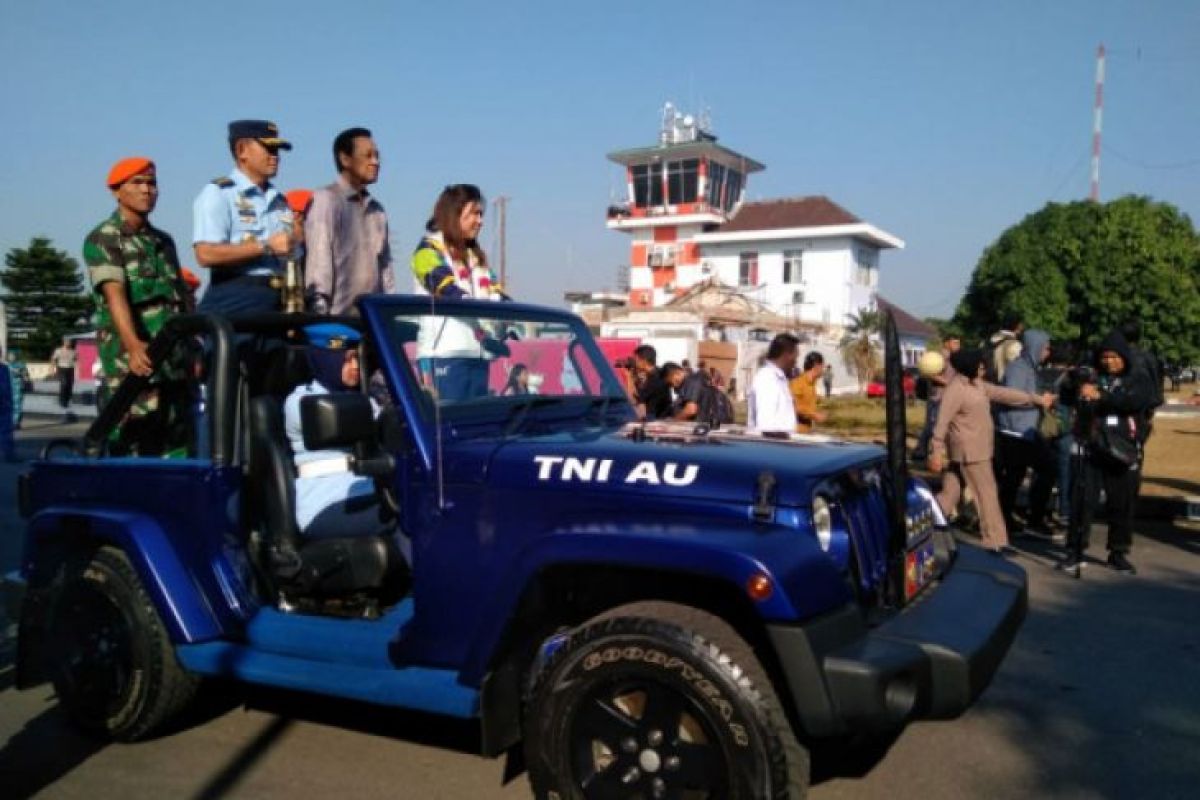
(145, 263)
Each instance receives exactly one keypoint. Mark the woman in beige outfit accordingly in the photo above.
(964, 432)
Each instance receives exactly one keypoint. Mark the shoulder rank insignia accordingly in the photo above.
(224, 182)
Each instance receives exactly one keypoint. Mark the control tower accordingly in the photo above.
(683, 186)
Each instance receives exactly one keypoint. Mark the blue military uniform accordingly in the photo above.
(330, 499)
(232, 210)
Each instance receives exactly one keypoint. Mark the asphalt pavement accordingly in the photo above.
(1099, 698)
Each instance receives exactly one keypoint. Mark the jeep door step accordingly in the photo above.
(434, 690)
(308, 637)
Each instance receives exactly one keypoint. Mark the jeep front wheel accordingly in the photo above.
(658, 700)
(112, 662)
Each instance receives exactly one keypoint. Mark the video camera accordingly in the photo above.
(1082, 374)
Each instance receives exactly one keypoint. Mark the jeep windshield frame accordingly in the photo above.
(452, 365)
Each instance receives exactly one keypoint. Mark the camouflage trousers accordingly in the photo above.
(149, 320)
(159, 421)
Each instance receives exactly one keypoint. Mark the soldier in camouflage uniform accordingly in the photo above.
(138, 286)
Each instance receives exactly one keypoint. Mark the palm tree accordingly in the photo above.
(858, 345)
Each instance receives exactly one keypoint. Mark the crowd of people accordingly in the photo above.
(676, 391)
(265, 250)
(268, 250)
(1022, 408)
(782, 398)
(1017, 409)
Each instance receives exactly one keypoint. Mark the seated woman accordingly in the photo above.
(331, 501)
(518, 381)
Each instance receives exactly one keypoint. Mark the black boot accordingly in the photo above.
(1119, 562)
(1072, 564)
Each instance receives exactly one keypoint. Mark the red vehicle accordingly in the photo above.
(876, 388)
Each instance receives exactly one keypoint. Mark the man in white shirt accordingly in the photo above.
(64, 365)
(771, 409)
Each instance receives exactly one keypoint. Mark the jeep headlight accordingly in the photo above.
(823, 522)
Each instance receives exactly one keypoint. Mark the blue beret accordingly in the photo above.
(332, 336)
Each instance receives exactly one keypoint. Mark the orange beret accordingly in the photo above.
(190, 278)
(126, 168)
(298, 199)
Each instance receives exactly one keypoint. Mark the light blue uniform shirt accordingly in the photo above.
(237, 213)
(315, 494)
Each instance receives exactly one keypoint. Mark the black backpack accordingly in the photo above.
(715, 406)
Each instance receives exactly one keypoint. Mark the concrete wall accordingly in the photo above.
(829, 286)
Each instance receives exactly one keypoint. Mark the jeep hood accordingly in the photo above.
(723, 467)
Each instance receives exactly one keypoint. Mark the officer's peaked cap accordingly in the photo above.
(263, 130)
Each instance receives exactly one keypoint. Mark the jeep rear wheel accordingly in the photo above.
(658, 700)
(112, 662)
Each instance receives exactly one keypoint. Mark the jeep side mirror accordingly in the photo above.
(336, 420)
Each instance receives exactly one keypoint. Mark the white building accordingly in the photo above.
(805, 258)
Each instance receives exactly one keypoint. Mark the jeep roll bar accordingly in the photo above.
(221, 383)
(223, 334)
(897, 458)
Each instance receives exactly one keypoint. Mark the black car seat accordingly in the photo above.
(318, 568)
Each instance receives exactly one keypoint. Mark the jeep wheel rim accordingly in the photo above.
(94, 653)
(645, 739)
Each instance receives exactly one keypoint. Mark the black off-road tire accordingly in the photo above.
(651, 699)
(111, 660)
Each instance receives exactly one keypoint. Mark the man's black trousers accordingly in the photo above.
(1015, 457)
(1120, 486)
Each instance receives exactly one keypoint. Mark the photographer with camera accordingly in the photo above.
(1110, 405)
(648, 388)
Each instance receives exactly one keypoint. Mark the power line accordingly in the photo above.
(1138, 54)
(1070, 174)
(1108, 148)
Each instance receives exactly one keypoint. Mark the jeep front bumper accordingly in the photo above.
(930, 661)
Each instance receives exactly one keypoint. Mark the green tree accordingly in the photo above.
(1079, 269)
(860, 347)
(44, 296)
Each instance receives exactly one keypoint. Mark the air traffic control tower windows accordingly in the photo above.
(724, 186)
(647, 185)
(683, 178)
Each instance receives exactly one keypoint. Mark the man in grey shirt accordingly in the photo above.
(346, 231)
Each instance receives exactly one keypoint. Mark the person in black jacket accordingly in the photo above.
(1148, 363)
(1109, 418)
(655, 394)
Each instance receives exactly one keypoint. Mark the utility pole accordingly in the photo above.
(1097, 119)
(502, 225)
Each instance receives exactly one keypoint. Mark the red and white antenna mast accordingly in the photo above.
(1097, 119)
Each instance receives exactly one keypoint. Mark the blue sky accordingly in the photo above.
(942, 122)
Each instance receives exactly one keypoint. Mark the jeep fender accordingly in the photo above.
(805, 581)
(56, 532)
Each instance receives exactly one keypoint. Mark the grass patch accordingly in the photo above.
(858, 417)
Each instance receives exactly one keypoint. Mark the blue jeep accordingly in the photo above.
(652, 610)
